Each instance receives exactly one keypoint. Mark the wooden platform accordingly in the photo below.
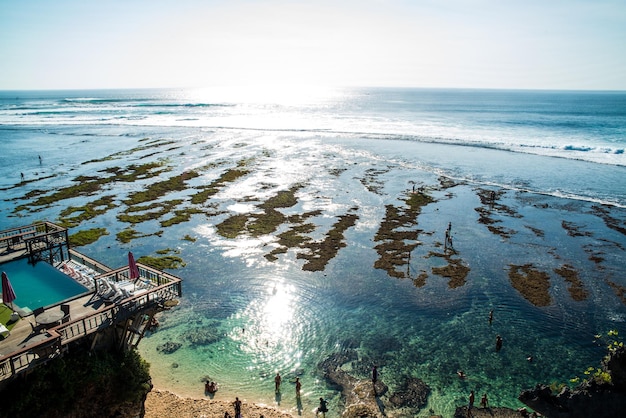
(92, 317)
(22, 332)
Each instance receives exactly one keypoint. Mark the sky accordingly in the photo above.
(510, 44)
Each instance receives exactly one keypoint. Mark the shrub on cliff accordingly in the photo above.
(83, 384)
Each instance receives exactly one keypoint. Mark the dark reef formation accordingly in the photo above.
(362, 398)
(602, 396)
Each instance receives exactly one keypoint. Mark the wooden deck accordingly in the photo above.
(30, 345)
(92, 315)
(22, 332)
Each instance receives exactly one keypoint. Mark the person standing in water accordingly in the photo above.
(498, 343)
(323, 408)
(277, 381)
(298, 387)
(484, 402)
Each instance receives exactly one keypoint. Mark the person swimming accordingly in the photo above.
(210, 387)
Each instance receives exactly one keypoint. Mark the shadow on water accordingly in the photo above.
(299, 404)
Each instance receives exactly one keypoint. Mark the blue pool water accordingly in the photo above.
(40, 284)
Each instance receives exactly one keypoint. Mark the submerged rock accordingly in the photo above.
(169, 347)
(202, 336)
(358, 395)
(413, 393)
(362, 398)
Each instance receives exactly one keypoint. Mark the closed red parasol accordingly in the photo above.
(132, 266)
(8, 294)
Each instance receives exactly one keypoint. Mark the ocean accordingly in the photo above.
(276, 202)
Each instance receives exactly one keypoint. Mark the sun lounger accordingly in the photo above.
(105, 290)
(116, 294)
(4, 331)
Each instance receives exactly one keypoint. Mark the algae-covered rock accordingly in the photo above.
(169, 347)
(413, 392)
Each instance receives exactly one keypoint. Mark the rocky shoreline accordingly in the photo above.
(603, 395)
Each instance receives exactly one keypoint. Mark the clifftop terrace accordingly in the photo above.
(111, 307)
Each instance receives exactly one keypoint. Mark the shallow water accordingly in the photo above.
(242, 317)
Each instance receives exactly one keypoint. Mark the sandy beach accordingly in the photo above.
(162, 403)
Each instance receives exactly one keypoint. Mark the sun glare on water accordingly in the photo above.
(269, 331)
(281, 94)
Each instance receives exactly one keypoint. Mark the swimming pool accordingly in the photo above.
(40, 284)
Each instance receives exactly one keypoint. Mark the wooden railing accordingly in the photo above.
(11, 239)
(166, 287)
(30, 355)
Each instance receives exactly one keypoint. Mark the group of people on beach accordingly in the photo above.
(211, 387)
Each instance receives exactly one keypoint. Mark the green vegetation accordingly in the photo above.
(233, 226)
(163, 209)
(79, 382)
(265, 223)
(5, 317)
(189, 238)
(87, 236)
(294, 236)
(282, 199)
(320, 253)
(89, 211)
(209, 190)
(398, 227)
(415, 201)
(88, 185)
(162, 263)
(167, 251)
(597, 374)
(180, 216)
(260, 224)
(161, 188)
(127, 235)
(117, 155)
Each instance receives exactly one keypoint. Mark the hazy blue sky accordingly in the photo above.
(544, 44)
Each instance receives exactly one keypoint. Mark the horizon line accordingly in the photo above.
(313, 85)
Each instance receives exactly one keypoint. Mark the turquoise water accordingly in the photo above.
(243, 319)
(39, 285)
(555, 159)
